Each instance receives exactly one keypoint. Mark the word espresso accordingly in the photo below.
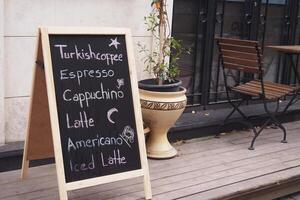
(67, 52)
(66, 74)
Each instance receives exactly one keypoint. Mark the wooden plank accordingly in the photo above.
(246, 61)
(182, 178)
(214, 149)
(13, 176)
(243, 68)
(196, 185)
(256, 91)
(127, 190)
(240, 54)
(159, 180)
(245, 92)
(268, 90)
(38, 195)
(237, 41)
(189, 147)
(43, 183)
(211, 157)
(237, 48)
(278, 85)
(269, 87)
(212, 160)
(294, 49)
(234, 191)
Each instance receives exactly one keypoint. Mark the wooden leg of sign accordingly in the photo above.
(63, 194)
(25, 162)
(25, 166)
(147, 185)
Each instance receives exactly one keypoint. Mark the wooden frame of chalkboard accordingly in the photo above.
(94, 107)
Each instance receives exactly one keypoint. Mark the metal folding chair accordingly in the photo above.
(244, 56)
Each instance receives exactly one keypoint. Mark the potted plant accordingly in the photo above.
(162, 97)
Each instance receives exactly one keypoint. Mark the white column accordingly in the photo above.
(2, 111)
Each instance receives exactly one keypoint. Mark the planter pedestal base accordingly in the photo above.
(153, 153)
(160, 111)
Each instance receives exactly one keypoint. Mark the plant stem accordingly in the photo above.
(162, 35)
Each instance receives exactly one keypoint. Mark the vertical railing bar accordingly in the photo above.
(281, 42)
(264, 26)
(219, 58)
(211, 7)
(297, 62)
(296, 18)
(248, 17)
(293, 13)
(251, 17)
(196, 52)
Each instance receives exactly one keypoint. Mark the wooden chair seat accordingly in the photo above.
(273, 91)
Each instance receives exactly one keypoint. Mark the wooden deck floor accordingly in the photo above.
(205, 168)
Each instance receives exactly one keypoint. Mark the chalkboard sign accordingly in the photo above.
(94, 104)
(94, 109)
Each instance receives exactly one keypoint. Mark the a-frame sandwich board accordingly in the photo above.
(49, 105)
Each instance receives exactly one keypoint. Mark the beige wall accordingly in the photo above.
(21, 19)
(2, 112)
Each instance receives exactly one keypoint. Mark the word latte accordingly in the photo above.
(107, 160)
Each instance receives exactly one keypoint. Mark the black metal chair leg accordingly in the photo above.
(224, 122)
(252, 142)
(283, 112)
(235, 108)
(289, 103)
(257, 133)
(284, 132)
(281, 127)
(275, 121)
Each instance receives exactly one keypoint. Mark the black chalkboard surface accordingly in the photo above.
(94, 105)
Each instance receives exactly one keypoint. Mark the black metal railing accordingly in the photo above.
(197, 22)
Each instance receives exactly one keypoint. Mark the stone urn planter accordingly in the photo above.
(160, 111)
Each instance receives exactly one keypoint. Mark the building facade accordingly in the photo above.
(19, 22)
(195, 22)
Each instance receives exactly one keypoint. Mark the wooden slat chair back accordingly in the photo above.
(240, 55)
(245, 56)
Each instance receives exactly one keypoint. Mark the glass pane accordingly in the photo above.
(231, 25)
(272, 37)
(185, 19)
